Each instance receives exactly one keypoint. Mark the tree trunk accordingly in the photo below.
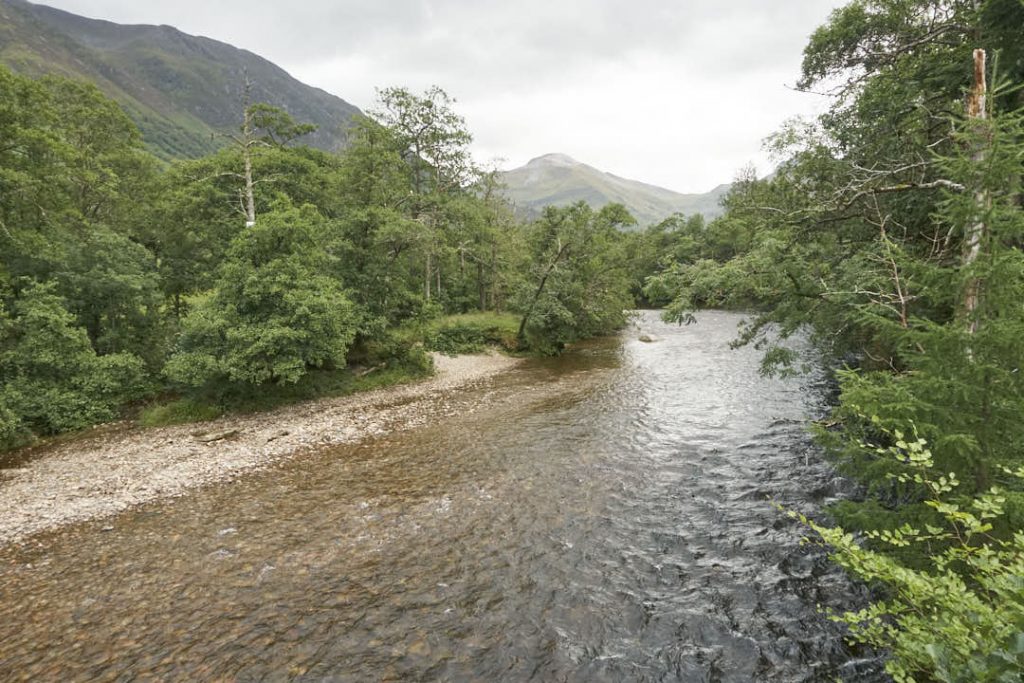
(481, 290)
(250, 202)
(977, 111)
(540, 290)
(247, 144)
(494, 278)
(426, 280)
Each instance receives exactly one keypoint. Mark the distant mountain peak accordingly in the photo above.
(558, 180)
(553, 159)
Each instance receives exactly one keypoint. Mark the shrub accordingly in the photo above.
(959, 619)
(273, 314)
(53, 379)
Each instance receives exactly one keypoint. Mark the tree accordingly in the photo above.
(891, 234)
(53, 379)
(577, 287)
(434, 143)
(375, 240)
(76, 288)
(262, 126)
(960, 618)
(273, 314)
(434, 139)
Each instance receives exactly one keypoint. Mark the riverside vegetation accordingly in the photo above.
(268, 272)
(891, 234)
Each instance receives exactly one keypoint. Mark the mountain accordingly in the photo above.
(558, 180)
(180, 89)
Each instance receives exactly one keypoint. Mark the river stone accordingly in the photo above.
(217, 436)
(647, 338)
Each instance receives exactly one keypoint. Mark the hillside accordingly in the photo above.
(557, 179)
(179, 89)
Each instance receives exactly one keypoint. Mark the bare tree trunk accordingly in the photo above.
(540, 289)
(426, 279)
(977, 111)
(481, 290)
(494, 278)
(247, 143)
(250, 202)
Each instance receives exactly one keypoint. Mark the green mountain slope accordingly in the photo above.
(558, 180)
(180, 89)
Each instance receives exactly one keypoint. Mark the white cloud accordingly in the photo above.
(679, 94)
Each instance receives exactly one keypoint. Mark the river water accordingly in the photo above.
(603, 516)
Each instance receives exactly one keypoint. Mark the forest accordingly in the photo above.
(889, 234)
(269, 271)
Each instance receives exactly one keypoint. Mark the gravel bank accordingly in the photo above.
(110, 472)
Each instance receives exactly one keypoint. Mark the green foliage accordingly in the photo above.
(53, 379)
(276, 125)
(79, 294)
(471, 333)
(151, 269)
(578, 285)
(891, 236)
(111, 285)
(273, 315)
(179, 411)
(959, 619)
(315, 384)
(433, 138)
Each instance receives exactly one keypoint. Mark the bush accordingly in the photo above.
(959, 619)
(273, 314)
(471, 333)
(54, 381)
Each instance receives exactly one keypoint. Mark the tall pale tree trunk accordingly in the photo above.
(977, 111)
(250, 201)
(426, 279)
(246, 144)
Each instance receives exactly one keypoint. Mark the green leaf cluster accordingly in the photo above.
(959, 618)
(273, 314)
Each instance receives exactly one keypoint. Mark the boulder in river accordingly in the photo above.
(647, 338)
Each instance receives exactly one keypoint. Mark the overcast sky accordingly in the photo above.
(679, 93)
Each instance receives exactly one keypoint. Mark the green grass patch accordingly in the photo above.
(179, 411)
(245, 400)
(465, 333)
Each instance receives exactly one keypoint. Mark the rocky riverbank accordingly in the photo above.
(101, 475)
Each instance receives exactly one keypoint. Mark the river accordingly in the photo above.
(603, 516)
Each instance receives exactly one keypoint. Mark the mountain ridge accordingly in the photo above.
(556, 179)
(181, 90)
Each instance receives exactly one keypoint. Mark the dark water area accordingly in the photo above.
(603, 516)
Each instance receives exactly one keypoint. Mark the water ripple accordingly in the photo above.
(599, 517)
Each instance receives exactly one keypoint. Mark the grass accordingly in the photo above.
(316, 384)
(451, 335)
(465, 333)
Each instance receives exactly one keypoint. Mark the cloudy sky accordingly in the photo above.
(679, 93)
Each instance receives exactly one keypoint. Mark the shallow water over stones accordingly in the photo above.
(603, 516)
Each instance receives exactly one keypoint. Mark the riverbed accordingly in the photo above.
(603, 516)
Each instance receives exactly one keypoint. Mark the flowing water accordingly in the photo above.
(603, 516)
